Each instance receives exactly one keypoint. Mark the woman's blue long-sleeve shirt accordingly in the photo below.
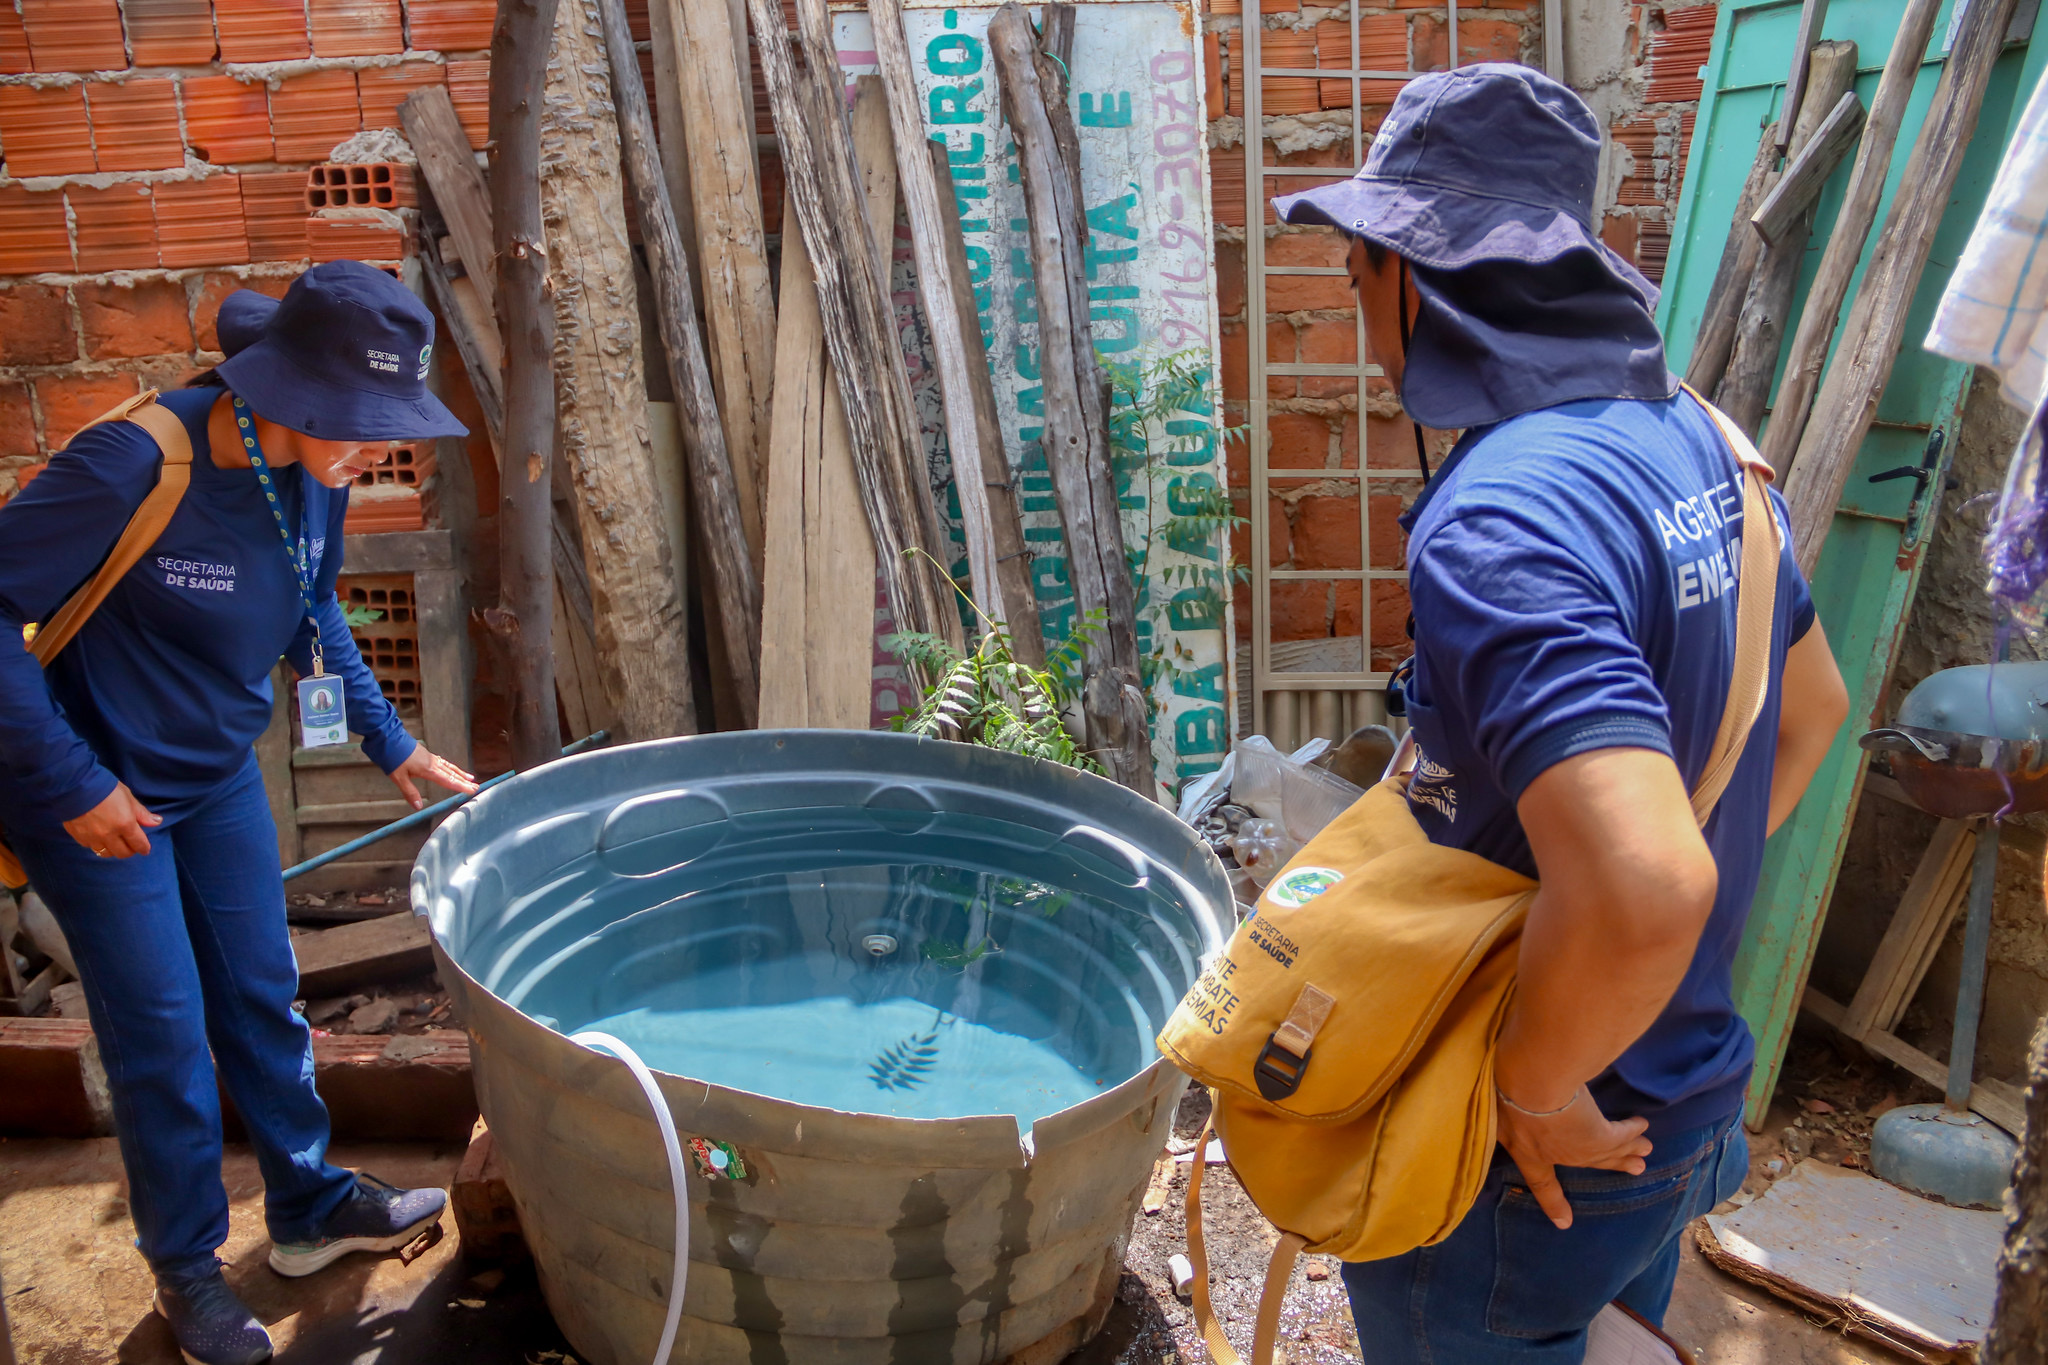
(167, 686)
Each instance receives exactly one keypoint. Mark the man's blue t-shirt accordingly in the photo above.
(167, 685)
(1573, 577)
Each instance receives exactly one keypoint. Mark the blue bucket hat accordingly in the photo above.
(1491, 162)
(343, 356)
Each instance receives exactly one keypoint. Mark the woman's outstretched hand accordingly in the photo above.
(115, 828)
(423, 766)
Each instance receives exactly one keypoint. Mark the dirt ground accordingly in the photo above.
(77, 1294)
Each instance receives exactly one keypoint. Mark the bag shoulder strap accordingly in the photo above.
(165, 427)
(1266, 1329)
(1756, 608)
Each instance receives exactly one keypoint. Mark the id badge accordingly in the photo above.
(323, 713)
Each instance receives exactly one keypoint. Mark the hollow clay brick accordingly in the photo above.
(74, 35)
(170, 32)
(33, 233)
(469, 87)
(352, 239)
(227, 120)
(261, 30)
(451, 25)
(124, 321)
(14, 54)
(311, 114)
(360, 185)
(381, 89)
(135, 125)
(274, 213)
(45, 132)
(199, 222)
(35, 325)
(116, 227)
(69, 401)
(356, 28)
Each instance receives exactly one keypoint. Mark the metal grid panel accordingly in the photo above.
(1292, 705)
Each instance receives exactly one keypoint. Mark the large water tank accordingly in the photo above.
(856, 961)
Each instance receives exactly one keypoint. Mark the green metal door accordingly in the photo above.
(1870, 566)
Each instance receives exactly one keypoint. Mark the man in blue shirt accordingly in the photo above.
(1572, 569)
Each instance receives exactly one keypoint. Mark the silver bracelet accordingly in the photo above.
(1537, 1113)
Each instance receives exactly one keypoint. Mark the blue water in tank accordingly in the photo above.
(930, 962)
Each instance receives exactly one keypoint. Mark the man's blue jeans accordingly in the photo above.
(180, 950)
(1507, 1286)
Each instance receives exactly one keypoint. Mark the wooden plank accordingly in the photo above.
(1950, 897)
(1761, 334)
(447, 665)
(471, 327)
(817, 651)
(1799, 187)
(1998, 1102)
(1851, 228)
(335, 961)
(457, 182)
(734, 288)
(1076, 439)
(796, 434)
(951, 354)
(1876, 325)
(1885, 785)
(1723, 312)
(716, 492)
(675, 135)
(822, 181)
(1897, 950)
(1013, 558)
(600, 386)
(274, 759)
(1813, 16)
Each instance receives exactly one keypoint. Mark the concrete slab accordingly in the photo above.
(77, 1293)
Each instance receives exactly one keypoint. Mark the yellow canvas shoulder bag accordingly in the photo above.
(1347, 1031)
(144, 527)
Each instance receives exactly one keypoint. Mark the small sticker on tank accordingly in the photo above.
(717, 1160)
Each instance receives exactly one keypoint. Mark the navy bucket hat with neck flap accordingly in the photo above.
(344, 356)
(1491, 162)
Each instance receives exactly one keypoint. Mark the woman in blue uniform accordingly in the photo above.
(129, 788)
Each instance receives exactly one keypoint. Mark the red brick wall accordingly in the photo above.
(1318, 423)
(154, 155)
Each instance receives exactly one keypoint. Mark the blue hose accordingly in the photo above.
(420, 817)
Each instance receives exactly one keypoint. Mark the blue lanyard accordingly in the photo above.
(297, 556)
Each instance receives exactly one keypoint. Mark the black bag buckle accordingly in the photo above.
(1278, 1072)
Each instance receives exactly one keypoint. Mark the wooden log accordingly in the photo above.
(675, 136)
(450, 168)
(817, 649)
(1876, 324)
(821, 182)
(523, 620)
(1813, 16)
(1076, 438)
(1824, 297)
(1768, 303)
(1806, 174)
(951, 354)
(1722, 314)
(477, 341)
(1013, 557)
(732, 254)
(600, 389)
(719, 499)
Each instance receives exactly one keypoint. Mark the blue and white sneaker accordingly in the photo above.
(375, 1217)
(212, 1326)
